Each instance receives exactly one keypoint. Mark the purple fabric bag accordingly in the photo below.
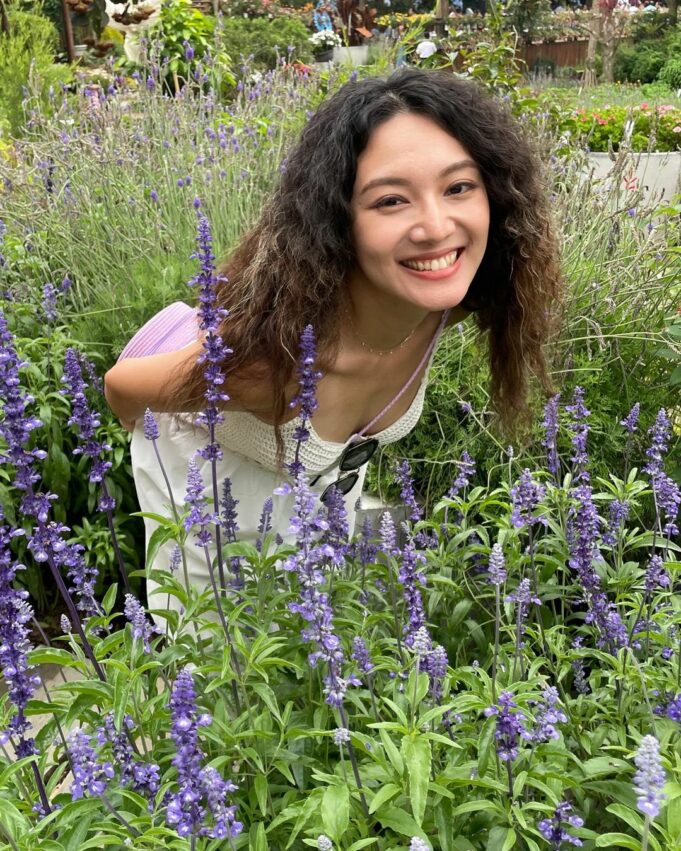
(173, 328)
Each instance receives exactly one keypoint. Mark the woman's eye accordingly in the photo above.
(460, 188)
(391, 201)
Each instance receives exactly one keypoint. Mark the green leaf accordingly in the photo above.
(501, 839)
(158, 537)
(392, 752)
(110, 598)
(13, 822)
(336, 811)
(674, 818)
(417, 688)
(362, 843)
(631, 817)
(401, 823)
(618, 840)
(385, 793)
(485, 744)
(258, 838)
(260, 786)
(416, 752)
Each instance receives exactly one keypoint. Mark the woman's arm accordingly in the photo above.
(135, 384)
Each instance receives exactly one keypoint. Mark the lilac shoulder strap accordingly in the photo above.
(410, 381)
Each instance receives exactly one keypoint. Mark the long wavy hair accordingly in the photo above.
(291, 268)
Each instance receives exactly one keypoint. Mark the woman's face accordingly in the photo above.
(420, 215)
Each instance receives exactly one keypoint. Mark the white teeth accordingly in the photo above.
(432, 265)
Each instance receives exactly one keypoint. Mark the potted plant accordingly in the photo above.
(323, 43)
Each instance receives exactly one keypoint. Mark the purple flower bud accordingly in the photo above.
(650, 778)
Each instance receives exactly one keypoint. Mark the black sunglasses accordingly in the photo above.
(354, 456)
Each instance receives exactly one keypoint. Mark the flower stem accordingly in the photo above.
(114, 541)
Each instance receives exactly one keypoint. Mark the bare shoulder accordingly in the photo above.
(135, 384)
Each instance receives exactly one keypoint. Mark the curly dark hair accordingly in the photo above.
(291, 267)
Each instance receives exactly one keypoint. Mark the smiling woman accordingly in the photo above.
(407, 204)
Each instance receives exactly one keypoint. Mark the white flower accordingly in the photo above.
(426, 48)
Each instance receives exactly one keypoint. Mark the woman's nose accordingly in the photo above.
(434, 223)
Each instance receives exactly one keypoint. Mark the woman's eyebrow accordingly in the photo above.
(401, 181)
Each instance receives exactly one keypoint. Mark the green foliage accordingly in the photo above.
(179, 23)
(267, 41)
(670, 75)
(653, 43)
(26, 54)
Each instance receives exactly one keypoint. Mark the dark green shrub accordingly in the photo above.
(639, 63)
(267, 41)
(32, 39)
(670, 74)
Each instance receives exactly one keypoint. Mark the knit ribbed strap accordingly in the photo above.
(410, 381)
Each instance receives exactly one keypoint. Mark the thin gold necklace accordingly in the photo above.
(381, 352)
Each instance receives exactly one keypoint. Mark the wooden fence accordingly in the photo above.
(563, 54)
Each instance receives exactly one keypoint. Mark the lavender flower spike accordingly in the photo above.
(526, 495)
(141, 627)
(549, 442)
(630, 422)
(89, 775)
(650, 778)
(497, 566)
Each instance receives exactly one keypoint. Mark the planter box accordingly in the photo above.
(351, 55)
(659, 175)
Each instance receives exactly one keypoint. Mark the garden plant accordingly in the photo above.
(502, 670)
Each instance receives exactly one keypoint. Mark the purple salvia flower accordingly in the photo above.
(89, 775)
(360, 654)
(579, 427)
(313, 606)
(411, 578)
(550, 441)
(341, 736)
(65, 624)
(65, 285)
(228, 515)
(404, 479)
(324, 843)
(388, 534)
(421, 643)
(186, 809)
(142, 628)
(306, 397)
(436, 666)
(142, 777)
(555, 833)
(659, 443)
(175, 559)
(465, 472)
(83, 418)
(618, 513)
(214, 349)
(656, 575)
(230, 526)
(667, 499)
(526, 495)
(497, 566)
(673, 709)
(630, 422)
(49, 302)
(509, 726)
(265, 524)
(523, 595)
(15, 614)
(336, 536)
(188, 51)
(150, 426)
(650, 778)
(547, 714)
(417, 844)
(364, 549)
(195, 504)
